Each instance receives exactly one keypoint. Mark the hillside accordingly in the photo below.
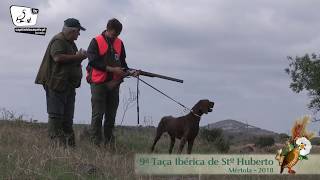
(237, 127)
(240, 133)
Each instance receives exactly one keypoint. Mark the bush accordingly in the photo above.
(211, 135)
(222, 144)
(231, 137)
(265, 141)
(215, 136)
(315, 141)
(283, 137)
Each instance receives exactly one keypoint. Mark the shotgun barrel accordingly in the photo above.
(149, 74)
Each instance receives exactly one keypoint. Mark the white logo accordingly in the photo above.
(23, 16)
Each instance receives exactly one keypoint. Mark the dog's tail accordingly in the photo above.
(160, 131)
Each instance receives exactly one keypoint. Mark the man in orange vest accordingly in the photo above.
(106, 69)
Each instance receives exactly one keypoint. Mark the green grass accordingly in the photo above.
(25, 153)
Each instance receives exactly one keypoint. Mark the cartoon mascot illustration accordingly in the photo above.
(297, 147)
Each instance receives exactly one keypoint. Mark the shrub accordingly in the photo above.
(265, 141)
(222, 144)
(283, 137)
(216, 137)
(315, 141)
(211, 135)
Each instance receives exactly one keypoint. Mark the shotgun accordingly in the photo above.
(149, 74)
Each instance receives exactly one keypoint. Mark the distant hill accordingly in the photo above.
(238, 132)
(235, 127)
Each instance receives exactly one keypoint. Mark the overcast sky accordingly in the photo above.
(231, 52)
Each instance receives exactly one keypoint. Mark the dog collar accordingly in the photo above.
(195, 113)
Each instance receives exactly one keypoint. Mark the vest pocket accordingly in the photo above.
(98, 76)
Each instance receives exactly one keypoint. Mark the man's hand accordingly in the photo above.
(64, 58)
(117, 70)
(134, 73)
(82, 54)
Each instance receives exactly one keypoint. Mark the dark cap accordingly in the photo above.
(71, 22)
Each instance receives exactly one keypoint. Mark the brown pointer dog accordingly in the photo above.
(185, 128)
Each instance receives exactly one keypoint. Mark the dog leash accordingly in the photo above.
(139, 79)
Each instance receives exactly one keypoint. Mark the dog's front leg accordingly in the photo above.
(182, 143)
(190, 145)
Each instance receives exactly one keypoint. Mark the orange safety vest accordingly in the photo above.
(97, 76)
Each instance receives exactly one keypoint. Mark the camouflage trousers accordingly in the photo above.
(60, 108)
(104, 103)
